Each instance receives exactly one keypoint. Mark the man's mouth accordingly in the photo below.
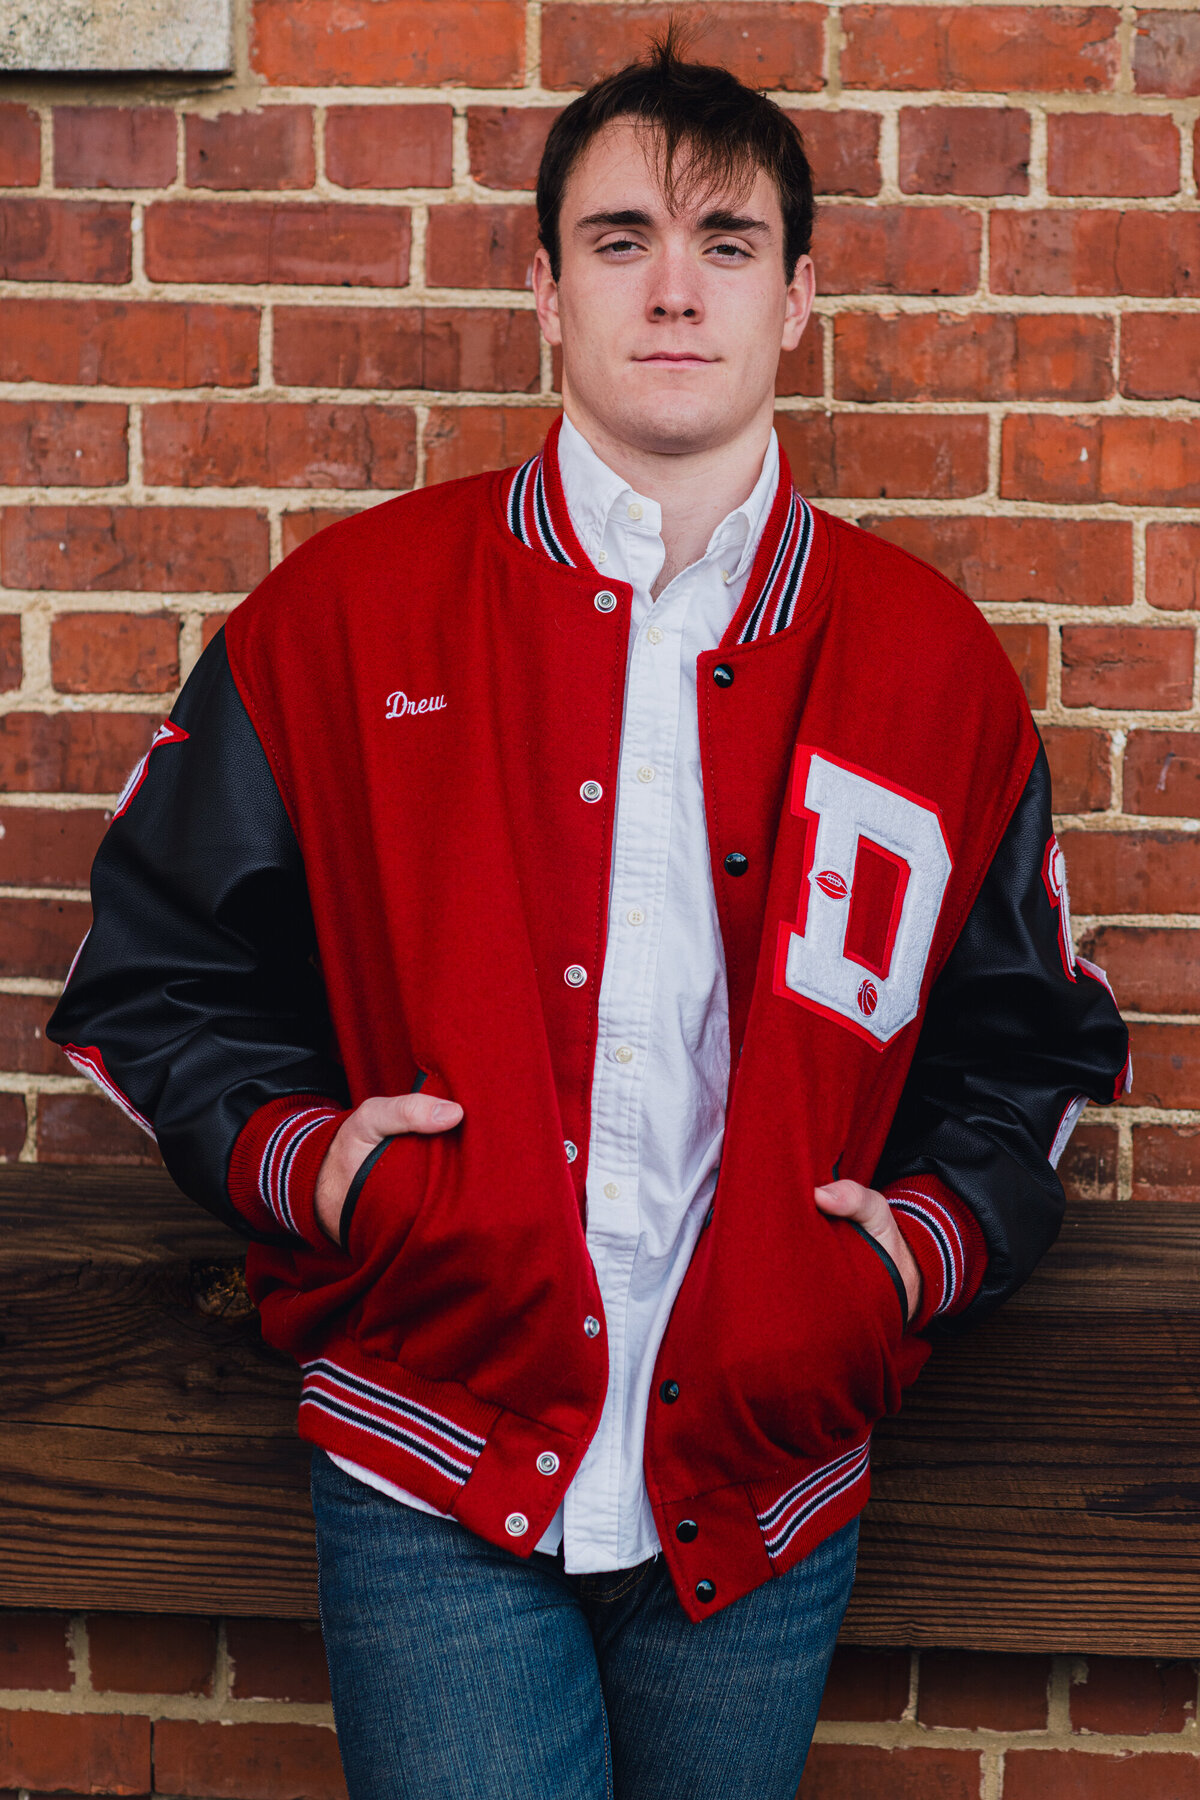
(680, 358)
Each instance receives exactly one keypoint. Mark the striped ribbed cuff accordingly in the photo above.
(946, 1241)
(276, 1160)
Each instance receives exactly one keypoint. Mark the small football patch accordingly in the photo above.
(831, 883)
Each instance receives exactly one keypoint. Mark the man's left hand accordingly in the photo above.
(868, 1208)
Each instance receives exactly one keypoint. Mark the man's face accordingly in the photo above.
(671, 324)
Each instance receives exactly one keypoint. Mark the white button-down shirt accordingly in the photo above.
(662, 1052)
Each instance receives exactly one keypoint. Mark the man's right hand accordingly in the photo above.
(367, 1126)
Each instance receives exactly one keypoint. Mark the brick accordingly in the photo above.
(71, 753)
(864, 1686)
(10, 651)
(1153, 968)
(389, 43)
(1166, 1164)
(115, 653)
(767, 46)
(1066, 562)
(956, 356)
(1139, 666)
(89, 1753)
(14, 1126)
(20, 147)
(141, 343)
(1096, 252)
(334, 244)
(1027, 648)
(885, 455)
(1133, 155)
(135, 1653)
(233, 444)
(1133, 871)
(277, 1659)
(964, 150)
(1080, 775)
(298, 527)
(802, 371)
(1088, 1169)
(987, 49)
(865, 1772)
(1134, 461)
(897, 250)
(462, 440)
(246, 1761)
(1166, 1063)
(88, 1128)
(389, 146)
(62, 443)
(149, 549)
(25, 1048)
(504, 143)
(843, 148)
(980, 1690)
(1160, 356)
(33, 1645)
(269, 148)
(481, 349)
(1071, 1775)
(1162, 773)
(480, 246)
(65, 240)
(209, 627)
(1173, 567)
(38, 938)
(1166, 53)
(41, 847)
(114, 146)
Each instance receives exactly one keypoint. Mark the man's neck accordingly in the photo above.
(695, 490)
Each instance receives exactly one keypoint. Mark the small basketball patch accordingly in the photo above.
(868, 998)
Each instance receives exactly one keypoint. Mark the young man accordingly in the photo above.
(690, 852)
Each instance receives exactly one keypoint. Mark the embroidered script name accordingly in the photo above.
(399, 703)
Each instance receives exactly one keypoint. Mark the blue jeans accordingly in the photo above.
(461, 1672)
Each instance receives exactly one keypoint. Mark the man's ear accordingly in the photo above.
(801, 293)
(545, 294)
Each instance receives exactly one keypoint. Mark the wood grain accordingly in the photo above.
(1041, 1490)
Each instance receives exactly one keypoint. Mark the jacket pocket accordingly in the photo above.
(353, 1192)
(890, 1266)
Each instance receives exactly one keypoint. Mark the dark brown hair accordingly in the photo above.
(726, 131)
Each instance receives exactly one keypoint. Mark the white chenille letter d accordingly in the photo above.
(890, 846)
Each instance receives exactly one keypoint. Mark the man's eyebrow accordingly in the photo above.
(630, 216)
(723, 220)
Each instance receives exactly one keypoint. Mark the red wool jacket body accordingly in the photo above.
(428, 720)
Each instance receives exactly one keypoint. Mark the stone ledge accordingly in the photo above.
(148, 36)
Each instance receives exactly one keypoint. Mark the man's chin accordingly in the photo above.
(681, 428)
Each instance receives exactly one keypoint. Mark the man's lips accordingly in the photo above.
(687, 357)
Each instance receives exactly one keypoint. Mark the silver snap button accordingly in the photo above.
(591, 1326)
(605, 600)
(571, 1149)
(516, 1524)
(591, 791)
(547, 1463)
(574, 976)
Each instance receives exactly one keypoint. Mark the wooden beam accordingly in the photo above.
(1040, 1491)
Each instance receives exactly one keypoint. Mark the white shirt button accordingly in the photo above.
(602, 556)
(605, 600)
(645, 773)
(623, 1053)
(634, 510)
(574, 976)
(591, 791)
(547, 1463)
(516, 1524)
(591, 1326)
(635, 916)
(571, 1149)
(611, 1191)
(654, 634)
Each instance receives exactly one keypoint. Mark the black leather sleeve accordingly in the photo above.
(1008, 1042)
(197, 982)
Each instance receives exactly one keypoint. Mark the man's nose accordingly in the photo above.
(674, 294)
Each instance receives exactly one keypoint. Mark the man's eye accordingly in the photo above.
(620, 244)
(730, 252)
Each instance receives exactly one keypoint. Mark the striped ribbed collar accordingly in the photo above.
(537, 515)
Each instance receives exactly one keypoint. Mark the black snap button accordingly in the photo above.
(736, 863)
(687, 1530)
(706, 1591)
(669, 1391)
(723, 675)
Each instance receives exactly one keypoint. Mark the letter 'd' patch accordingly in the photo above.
(875, 870)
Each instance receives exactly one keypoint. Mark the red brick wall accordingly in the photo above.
(231, 313)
